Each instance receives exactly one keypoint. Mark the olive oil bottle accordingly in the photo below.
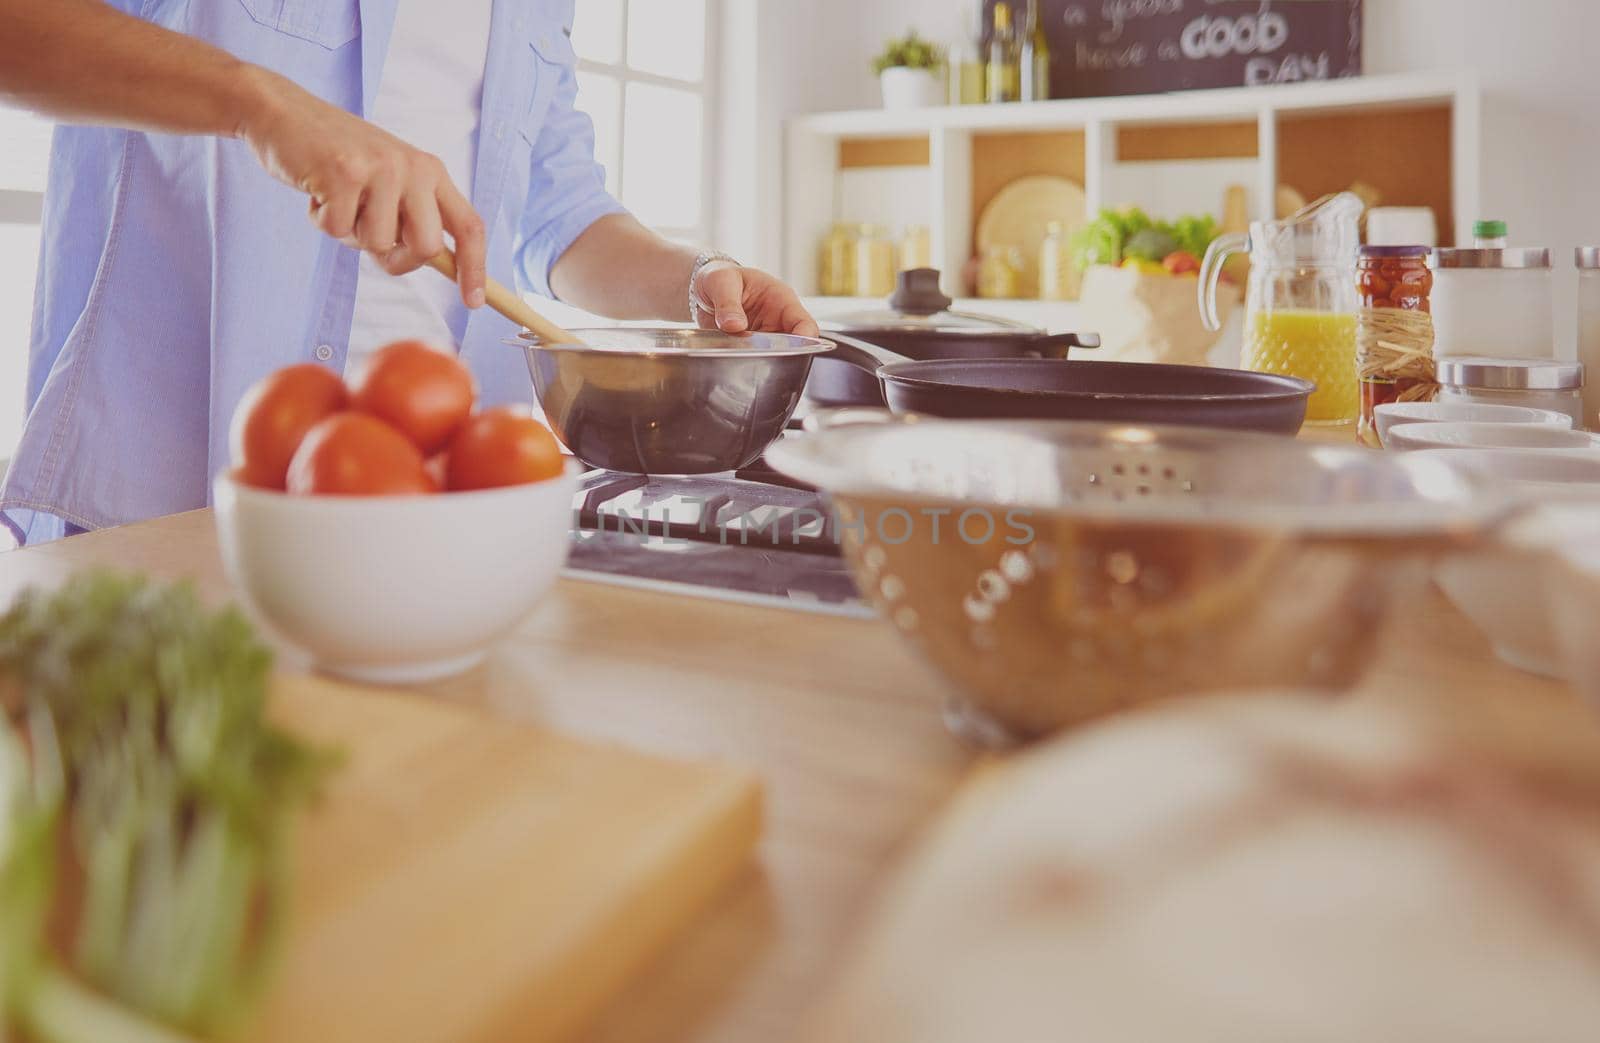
(1035, 57)
(1005, 70)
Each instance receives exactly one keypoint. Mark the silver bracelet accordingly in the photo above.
(705, 259)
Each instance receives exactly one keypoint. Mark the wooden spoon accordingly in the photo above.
(500, 297)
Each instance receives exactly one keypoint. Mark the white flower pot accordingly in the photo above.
(905, 88)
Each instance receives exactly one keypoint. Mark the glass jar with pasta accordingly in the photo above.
(875, 261)
(1394, 330)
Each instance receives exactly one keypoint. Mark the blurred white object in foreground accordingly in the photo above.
(1249, 871)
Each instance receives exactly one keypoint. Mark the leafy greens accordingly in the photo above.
(153, 786)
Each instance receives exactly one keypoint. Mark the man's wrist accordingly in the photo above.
(706, 262)
(258, 101)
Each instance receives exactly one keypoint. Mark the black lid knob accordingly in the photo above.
(917, 292)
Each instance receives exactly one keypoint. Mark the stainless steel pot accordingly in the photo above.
(671, 401)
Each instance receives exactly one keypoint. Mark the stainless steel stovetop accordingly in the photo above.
(747, 536)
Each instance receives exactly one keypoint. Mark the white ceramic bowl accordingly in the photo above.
(1501, 588)
(1572, 576)
(394, 590)
(1394, 414)
(1466, 435)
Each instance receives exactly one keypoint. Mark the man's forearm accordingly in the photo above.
(621, 269)
(81, 61)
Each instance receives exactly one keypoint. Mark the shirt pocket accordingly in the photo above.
(327, 23)
(553, 58)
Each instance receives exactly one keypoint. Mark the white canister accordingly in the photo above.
(1493, 303)
(1588, 260)
(1402, 226)
(1534, 383)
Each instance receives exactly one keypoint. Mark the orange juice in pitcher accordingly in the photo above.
(1300, 301)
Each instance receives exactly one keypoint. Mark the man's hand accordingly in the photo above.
(368, 189)
(749, 299)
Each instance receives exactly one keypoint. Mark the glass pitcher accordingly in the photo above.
(1300, 302)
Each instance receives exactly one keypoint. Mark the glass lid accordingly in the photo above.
(919, 306)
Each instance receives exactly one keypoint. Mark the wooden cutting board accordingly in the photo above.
(467, 880)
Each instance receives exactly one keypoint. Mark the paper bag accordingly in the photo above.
(1149, 318)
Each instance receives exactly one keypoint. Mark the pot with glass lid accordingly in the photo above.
(919, 324)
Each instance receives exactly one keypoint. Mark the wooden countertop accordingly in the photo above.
(836, 714)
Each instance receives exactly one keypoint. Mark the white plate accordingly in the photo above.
(1393, 414)
(1468, 435)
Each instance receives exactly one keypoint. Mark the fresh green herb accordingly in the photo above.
(152, 770)
(912, 52)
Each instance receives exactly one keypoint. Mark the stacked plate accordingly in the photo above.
(1459, 425)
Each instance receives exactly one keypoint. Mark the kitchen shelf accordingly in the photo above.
(1413, 136)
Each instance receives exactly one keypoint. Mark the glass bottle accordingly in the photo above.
(1058, 280)
(1004, 74)
(965, 65)
(1000, 273)
(1394, 355)
(916, 248)
(836, 276)
(875, 268)
(1300, 301)
(1035, 57)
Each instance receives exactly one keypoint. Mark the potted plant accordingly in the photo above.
(908, 70)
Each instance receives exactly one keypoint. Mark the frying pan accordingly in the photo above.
(1059, 389)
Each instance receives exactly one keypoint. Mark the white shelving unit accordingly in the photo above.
(1289, 123)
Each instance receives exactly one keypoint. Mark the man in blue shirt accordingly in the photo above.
(178, 266)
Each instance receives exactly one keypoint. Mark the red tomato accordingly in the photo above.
(352, 454)
(424, 393)
(274, 416)
(502, 446)
(1180, 262)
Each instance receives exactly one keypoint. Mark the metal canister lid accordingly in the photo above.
(1586, 256)
(1399, 251)
(1514, 257)
(1471, 371)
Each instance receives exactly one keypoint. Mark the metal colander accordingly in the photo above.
(1058, 571)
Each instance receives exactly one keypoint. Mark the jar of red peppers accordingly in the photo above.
(1394, 330)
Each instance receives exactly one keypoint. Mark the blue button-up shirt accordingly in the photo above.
(175, 272)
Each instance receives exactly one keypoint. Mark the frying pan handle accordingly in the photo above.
(869, 357)
(1057, 345)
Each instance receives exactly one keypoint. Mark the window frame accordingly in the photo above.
(705, 88)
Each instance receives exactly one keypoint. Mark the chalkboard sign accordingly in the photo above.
(1101, 47)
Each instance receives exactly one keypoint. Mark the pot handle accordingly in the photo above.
(1058, 345)
(869, 357)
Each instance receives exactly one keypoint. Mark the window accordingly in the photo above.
(24, 156)
(643, 77)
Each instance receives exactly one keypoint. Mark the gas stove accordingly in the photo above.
(750, 536)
